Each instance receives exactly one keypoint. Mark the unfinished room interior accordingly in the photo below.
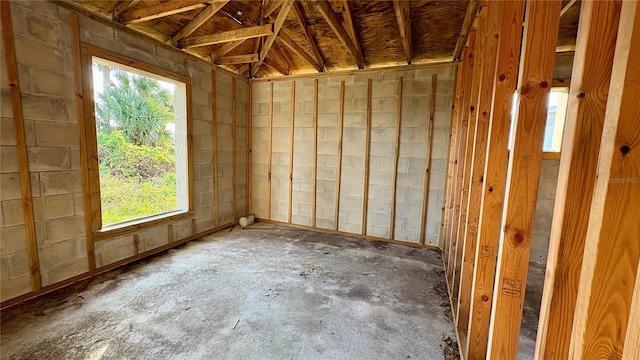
(320, 179)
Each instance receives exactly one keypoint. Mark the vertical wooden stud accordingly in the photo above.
(193, 227)
(234, 166)
(136, 244)
(490, 37)
(523, 175)
(427, 168)
(21, 146)
(86, 190)
(612, 246)
(367, 148)
(190, 180)
(169, 233)
(339, 158)
(315, 153)
(632, 342)
(249, 142)
(495, 168)
(270, 149)
(577, 176)
(291, 147)
(214, 137)
(396, 158)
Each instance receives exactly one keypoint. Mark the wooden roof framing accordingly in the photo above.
(311, 36)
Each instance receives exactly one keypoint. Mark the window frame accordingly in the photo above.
(89, 154)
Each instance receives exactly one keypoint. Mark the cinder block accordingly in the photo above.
(10, 186)
(49, 158)
(53, 207)
(65, 271)
(15, 287)
(8, 159)
(51, 83)
(56, 134)
(58, 230)
(51, 255)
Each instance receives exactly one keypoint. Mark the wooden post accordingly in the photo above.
(169, 233)
(452, 161)
(214, 136)
(136, 244)
(396, 158)
(427, 166)
(291, 142)
(523, 175)
(490, 37)
(612, 246)
(467, 157)
(86, 190)
(577, 176)
(249, 141)
(494, 178)
(367, 148)
(315, 153)
(339, 158)
(233, 148)
(193, 227)
(269, 150)
(468, 60)
(21, 146)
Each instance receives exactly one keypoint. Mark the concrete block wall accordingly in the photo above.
(43, 38)
(384, 102)
(544, 211)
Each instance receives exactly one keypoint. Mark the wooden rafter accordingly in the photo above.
(274, 65)
(227, 36)
(283, 56)
(403, 16)
(469, 17)
(332, 19)
(308, 33)
(348, 19)
(237, 59)
(271, 6)
(122, 6)
(288, 42)
(225, 49)
(161, 10)
(277, 25)
(198, 21)
(567, 7)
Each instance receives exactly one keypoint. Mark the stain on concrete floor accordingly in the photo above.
(265, 292)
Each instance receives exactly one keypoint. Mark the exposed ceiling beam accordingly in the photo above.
(237, 59)
(243, 69)
(403, 15)
(226, 36)
(274, 65)
(277, 25)
(332, 19)
(567, 7)
(271, 6)
(283, 55)
(161, 10)
(348, 19)
(198, 21)
(469, 17)
(225, 49)
(288, 42)
(297, 10)
(122, 6)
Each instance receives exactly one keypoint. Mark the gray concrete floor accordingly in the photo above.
(265, 292)
(531, 313)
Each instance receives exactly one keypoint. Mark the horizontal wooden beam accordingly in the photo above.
(198, 21)
(227, 36)
(288, 42)
(161, 10)
(225, 49)
(469, 17)
(277, 25)
(332, 19)
(122, 6)
(237, 59)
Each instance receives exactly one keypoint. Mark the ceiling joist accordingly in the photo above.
(469, 17)
(227, 36)
(282, 16)
(272, 64)
(567, 7)
(332, 19)
(198, 21)
(297, 10)
(288, 42)
(237, 59)
(122, 6)
(403, 15)
(348, 19)
(225, 49)
(271, 6)
(132, 16)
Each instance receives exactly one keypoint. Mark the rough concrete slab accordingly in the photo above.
(531, 313)
(265, 292)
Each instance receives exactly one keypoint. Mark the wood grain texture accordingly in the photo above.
(270, 151)
(292, 115)
(584, 121)
(314, 174)
(234, 165)
(203, 16)
(632, 342)
(86, 191)
(21, 145)
(367, 161)
(494, 184)
(338, 29)
(396, 158)
(612, 248)
(339, 159)
(523, 175)
(427, 165)
(214, 139)
(490, 35)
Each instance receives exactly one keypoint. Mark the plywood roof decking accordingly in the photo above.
(435, 28)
